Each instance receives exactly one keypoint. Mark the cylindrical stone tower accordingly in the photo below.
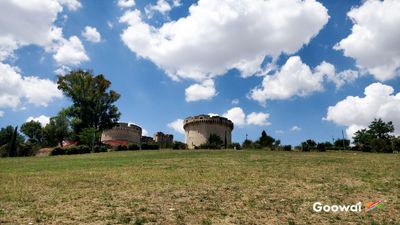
(198, 129)
(123, 132)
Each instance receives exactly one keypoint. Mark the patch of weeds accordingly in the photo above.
(206, 222)
(140, 221)
(291, 222)
(125, 219)
(2, 212)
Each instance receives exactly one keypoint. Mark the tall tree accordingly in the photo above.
(380, 129)
(34, 131)
(93, 104)
(266, 140)
(57, 130)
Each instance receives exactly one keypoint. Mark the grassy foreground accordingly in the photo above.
(198, 187)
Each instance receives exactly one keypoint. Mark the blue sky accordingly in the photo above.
(167, 70)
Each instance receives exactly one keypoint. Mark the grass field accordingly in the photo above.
(198, 187)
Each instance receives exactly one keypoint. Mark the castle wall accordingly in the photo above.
(123, 131)
(198, 129)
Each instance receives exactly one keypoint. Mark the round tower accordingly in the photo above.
(122, 132)
(199, 128)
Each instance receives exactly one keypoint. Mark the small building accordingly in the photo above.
(164, 140)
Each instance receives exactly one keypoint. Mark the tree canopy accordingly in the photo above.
(93, 104)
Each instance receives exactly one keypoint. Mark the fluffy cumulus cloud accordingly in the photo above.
(356, 112)
(217, 36)
(16, 89)
(71, 52)
(240, 119)
(44, 120)
(258, 119)
(162, 7)
(374, 40)
(177, 126)
(295, 78)
(20, 19)
(203, 91)
(91, 34)
(126, 3)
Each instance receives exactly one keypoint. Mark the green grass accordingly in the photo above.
(198, 187)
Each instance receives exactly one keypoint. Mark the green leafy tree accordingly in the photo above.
(340, 142)
(34, 131)
(381, 130)
(10, 139)
(266, 140)
(57, 130)
(377, 137)
(93, 104)
(89, 137)
(248, 144)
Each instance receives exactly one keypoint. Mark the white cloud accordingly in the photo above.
(258, 119)
(15, 89)
(294, 79)
(1, 113)
(177, 125)
(295, 128)
(126, 3)
(31, 22)
(235, 101)
(358, 112)
(43, 120)
(218, 36)
(162, 7)
(237, 116)
(72, 5)
(71, 52)
(204, 91)
(91, 34)
(374, 41)
(297, 79)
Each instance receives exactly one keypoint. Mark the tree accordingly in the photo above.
(340, 143)
(10, 139)
(376, 138)
(93, 105)
(89, 137)
(381, 130)
(308, 145)
(213, 142)
(248, 144)
(266, 140)
(34, 131)
(57, 130)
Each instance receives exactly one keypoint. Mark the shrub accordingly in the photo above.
(83, 149)
(321, 147)
(121, 148)
(179, 145)
(287, 148)
(99, 148)
(150, 147)
(27, 149)
(57, 151)
(133, 147)
(235, 146)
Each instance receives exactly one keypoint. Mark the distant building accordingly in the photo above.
(147, 140)
(199, 128)
(164, 140)
(122, 134)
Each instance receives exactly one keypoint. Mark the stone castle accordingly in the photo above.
(197, 131)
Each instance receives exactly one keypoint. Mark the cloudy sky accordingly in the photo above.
(298, 69)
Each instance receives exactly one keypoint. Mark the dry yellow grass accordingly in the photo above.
(198, 187)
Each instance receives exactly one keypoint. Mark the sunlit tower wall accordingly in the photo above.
(198, 129)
